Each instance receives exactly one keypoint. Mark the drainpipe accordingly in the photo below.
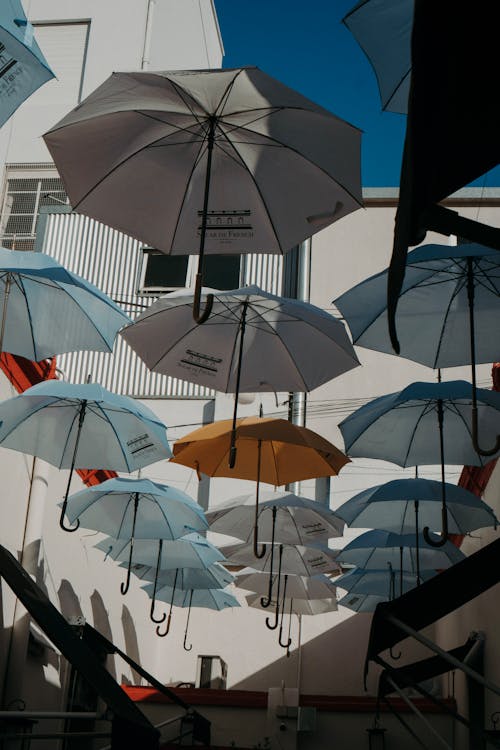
(18, 646)
(146, 49)
(298, 401)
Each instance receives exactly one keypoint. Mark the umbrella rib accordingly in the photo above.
(20, 284)
(31, 414)
(423, 412)
(456, 291)
(99, 412)
(127, 505)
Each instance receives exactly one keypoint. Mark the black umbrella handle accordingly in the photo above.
(444, 512)
(474, 420)
(186, 647)
(289, 640)
(167, 629)
(81, 418)
(152, 617)
(198, 317)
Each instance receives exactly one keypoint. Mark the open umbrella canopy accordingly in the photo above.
(376, 549)
(246, 327)
(137, 152)
(295, 520)
(213, 577)
(391, 506)
(288, 452)
(298, 587)
(190, 551)
(380, 582)
(382, 29)
(23, 67)
(403, 427)
(125, 508)
(294, 559)
(433, 308)
(47, 310)
(116, 432)
(297, 606)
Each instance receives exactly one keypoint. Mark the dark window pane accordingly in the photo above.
(221, 271)
(165, 271)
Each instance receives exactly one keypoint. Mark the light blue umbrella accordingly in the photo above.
(383, 29)
(47, 310)
(81, 426)
(23, 68)
(376, 549)
(403, 505)
(213, 577)
(195, 597)
(136, 509)
(447, 311)
(425, 423)
(378, 582)
(409, 553)
(190, 551)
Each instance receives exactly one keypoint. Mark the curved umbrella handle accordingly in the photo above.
(165, 632)
(475, 436)
(444, 532)
(277, 611)
(61, 518)
(201, 318)
(153, 598)
(289, 641)
(188, 648)
(125, 586)
(152, 617)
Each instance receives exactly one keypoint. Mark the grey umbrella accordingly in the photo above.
(201, 161)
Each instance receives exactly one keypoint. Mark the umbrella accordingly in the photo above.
(136, 509)
(378, 582)
(296, 587)
(268, 450)
(247, 327)
(47, 310)
(79, 426)
(213, 577)
(283, 516)
(221, 148)
(299, 606)
(190, 551)
(376, 549)
(446, 291)
(293, 559)
(23, 67)
(382, 29)
(206, 598)
(401, 427)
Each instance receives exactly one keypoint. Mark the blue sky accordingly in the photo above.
(306, 46)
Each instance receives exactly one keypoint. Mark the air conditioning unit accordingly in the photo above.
(211, 672)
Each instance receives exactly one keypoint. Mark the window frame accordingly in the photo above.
(191, 270)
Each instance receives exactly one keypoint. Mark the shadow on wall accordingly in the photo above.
(69, 604)
(330, 664)
(102, 625)
(131, 643)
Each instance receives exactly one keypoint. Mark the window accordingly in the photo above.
(162, 273)
(27, 190)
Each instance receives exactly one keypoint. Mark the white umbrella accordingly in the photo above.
(301, 345)
(200, 161)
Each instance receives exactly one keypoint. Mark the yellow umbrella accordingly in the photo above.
(269, 450)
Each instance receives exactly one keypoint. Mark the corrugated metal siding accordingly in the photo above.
(110, 260)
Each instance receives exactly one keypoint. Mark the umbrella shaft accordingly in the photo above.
(204, 215)
(6, 293)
